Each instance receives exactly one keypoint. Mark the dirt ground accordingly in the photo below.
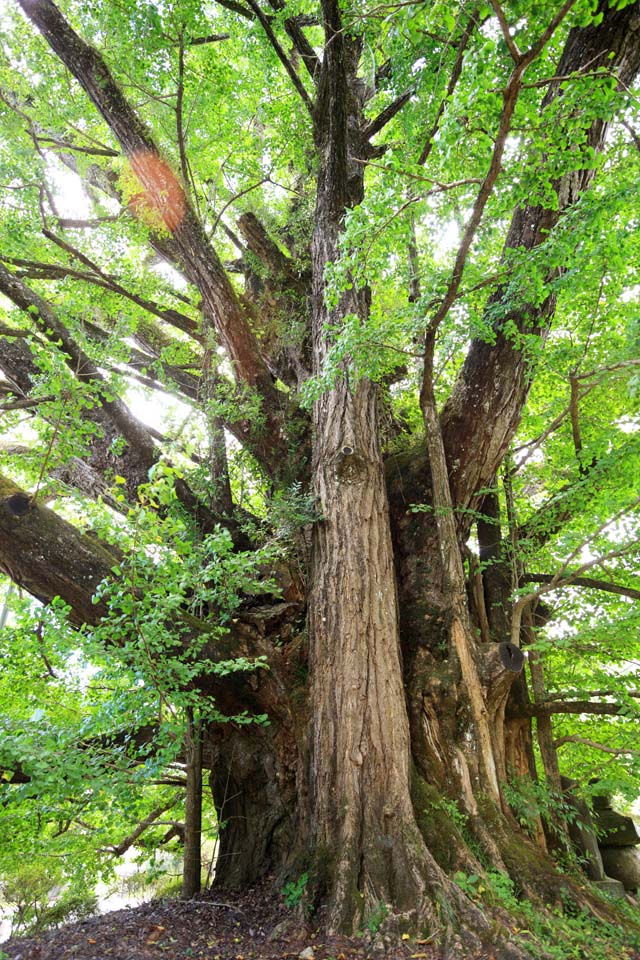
(251, 925)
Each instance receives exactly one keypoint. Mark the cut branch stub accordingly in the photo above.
(511, 657)
(18, 504)
(350, 466)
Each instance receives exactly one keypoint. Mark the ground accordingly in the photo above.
(254, 924)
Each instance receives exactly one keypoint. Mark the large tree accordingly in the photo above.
(360, 244)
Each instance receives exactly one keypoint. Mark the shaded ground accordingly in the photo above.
(252, 924)
(249, 925)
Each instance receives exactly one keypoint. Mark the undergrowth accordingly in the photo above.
(562, 932)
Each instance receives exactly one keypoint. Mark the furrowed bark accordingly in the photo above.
(366, 844)
(49, 557)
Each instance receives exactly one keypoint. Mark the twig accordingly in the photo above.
(616, 751)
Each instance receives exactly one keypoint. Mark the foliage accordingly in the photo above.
(75, 701)
(566, 931)
(530, 799)
(375, 919)
(293, 892)
(83, 800)
(40, 902)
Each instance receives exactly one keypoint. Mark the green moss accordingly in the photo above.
(440, 822)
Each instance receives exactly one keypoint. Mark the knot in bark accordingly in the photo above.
(18, 504)
(349, 465)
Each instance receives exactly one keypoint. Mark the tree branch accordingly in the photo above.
(510, 97)
(118, 850)
(532, 445)
(389, 112)
(615, 751)
(284, 59)
(40, 312)
(562, 579)
(140, 442)
(184, 166)
(293, 26)
(164, 195)
(211, 38)
(453, 80)
(569, 706)
(576, 581)
(516, 56)
(36, 270)
(484, 408)
(27, 403)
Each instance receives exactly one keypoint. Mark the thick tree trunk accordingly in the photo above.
(366, 845)
(256, 775)
(365, 838)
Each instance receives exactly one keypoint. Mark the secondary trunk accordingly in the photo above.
(192, 864)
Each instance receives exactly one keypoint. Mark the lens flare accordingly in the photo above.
(161, 201)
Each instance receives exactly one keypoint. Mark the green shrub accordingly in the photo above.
(40, 900)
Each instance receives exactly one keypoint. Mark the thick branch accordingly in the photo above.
(27, 403)
(185, 382)
(293, 26)
(570, 706)
(118, 850)
(284, 59)
(386, 115)
(210, 38)
(49, 557)
(165, 196)
(484, 409)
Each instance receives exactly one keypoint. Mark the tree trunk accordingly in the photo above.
(192, 862)
(366, 846)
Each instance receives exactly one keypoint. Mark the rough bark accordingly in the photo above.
(365, 840)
